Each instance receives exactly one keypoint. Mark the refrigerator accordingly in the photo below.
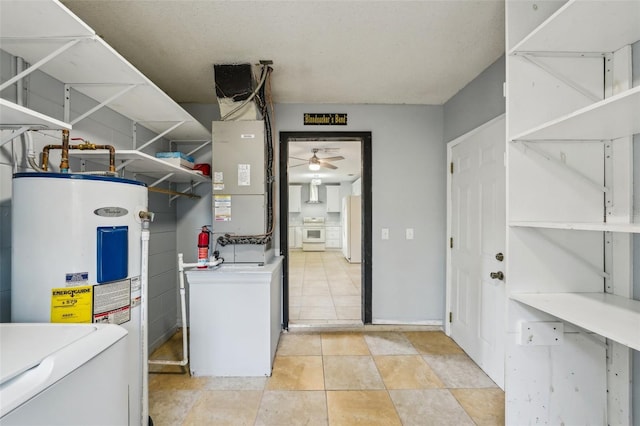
(63, 374)
(351, 217)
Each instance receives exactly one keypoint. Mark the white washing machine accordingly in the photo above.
(63, 374)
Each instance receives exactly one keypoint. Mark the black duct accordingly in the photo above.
(233, 81)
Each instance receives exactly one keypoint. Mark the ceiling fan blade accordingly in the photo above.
(339, 157)
(301, 159)
(327, 165)
(298, 165)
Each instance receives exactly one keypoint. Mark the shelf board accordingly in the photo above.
(93, 67)
(14, 115)
(586, 26)
(581, 226)
(612, 118)
(614, 317)
(41, 23)
(144, 164)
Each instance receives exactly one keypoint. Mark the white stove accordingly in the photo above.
(313, 234)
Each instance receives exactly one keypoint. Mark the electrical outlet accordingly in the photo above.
(409, 233)
(385, 233)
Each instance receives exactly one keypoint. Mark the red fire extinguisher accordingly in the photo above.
(203, 247)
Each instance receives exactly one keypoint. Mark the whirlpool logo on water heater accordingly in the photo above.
(111, 211)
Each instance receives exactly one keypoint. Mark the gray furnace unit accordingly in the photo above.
(239, 191)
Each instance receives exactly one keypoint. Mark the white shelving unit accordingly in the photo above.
(611, 316)
(545, 72)
(596, 26)
(584, 226)
(139, 162)
(55, 41)
(16, 116)
(611, 118)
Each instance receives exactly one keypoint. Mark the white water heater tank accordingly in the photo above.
(76, 242)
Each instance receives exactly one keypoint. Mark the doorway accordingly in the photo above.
(323, 269)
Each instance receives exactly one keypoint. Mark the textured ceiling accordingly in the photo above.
(348, 52)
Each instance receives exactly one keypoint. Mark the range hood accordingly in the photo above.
(313, 192)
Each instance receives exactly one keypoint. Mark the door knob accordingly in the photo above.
(497, 275)
(500, 257)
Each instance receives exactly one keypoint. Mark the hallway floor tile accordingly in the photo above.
(335, 378)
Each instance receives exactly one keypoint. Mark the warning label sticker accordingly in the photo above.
(72, 304)
(136, 292)
(222, 208)
(75, 279)
(112, 302)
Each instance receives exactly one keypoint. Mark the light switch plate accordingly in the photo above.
(409, 233)
(385, 233)
(541, 333)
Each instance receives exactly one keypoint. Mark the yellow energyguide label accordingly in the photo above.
(72, 304)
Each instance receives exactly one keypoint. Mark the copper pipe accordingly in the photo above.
(83, 146)
(45, 156)
(112, 152)
(64, 162)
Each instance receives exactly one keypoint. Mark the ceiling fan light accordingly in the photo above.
(314, 167)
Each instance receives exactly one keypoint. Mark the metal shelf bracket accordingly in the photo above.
(596, 270)
(42, 61)
(14, 135)
(532, 59)
(526, 147)
(67, 100)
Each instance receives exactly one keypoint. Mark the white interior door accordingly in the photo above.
(477, 228)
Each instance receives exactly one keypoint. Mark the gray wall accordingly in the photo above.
(193, 213)
(476, 103)
(408, 192)
(44, 94)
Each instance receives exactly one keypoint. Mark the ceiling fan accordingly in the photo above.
(315, 163)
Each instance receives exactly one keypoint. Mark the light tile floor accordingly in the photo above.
(323, 289)
(335, 378)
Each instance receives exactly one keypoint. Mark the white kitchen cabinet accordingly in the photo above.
(83, 61)
(333, 199)
(295, 237)
(292, 236)
(333, 235)
(298, 232)
(295, 198)
(571, 115)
